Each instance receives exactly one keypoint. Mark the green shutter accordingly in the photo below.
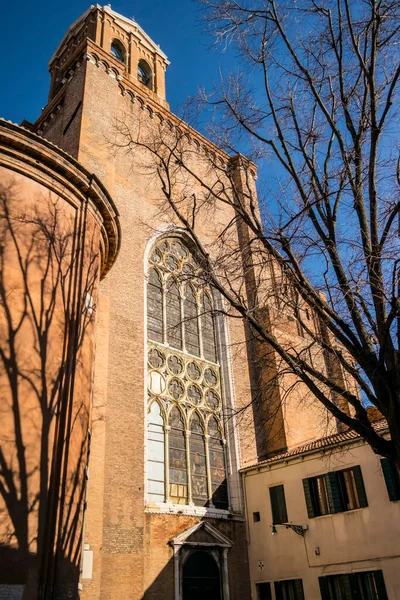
(308, 497)
(358, 478)
(333, 489)
(298, 586)
(350, 585)
(278, 504)
(278, 590)
(392, 488)
(380, 585)
(263, 591)
(324, 589)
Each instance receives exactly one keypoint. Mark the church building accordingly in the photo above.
(129, 391)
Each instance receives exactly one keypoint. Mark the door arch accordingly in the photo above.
(201, 577)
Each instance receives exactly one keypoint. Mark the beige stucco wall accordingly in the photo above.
(358, 540)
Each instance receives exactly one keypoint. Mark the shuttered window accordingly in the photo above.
(278, 504)
(263, 591)
(392, 478)
(367, 585)
(291, 589)
(335, 492)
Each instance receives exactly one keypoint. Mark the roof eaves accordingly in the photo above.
(131, 23)
(337, 439)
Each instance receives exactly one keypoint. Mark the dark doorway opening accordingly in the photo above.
(201, 578)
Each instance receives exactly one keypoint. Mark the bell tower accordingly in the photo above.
(118, 41)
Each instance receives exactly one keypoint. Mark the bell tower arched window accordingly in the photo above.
(184, 383)
(118, 50)
(144, 74)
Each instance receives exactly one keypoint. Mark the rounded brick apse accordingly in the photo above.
(59, 235)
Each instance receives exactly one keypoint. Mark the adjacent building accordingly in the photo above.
(324, 522)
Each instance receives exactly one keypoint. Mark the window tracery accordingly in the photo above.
(184, 379)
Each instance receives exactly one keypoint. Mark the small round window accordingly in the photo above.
(144, 73)
(118, 51)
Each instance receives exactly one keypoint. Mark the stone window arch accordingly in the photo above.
(184, 377)
(145, 74)
(118, 51)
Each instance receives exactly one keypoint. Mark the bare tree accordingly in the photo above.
(315, 101)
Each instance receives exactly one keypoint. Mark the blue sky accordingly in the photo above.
(174, 24)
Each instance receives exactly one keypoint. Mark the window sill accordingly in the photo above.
(198, 511)
(343, 512)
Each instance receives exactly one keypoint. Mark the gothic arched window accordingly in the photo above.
(184, 378)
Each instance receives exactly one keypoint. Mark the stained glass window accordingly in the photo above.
(209, 348)
(154, 307)
(184, 378)
(198, 462)
(192, 338)
(177, 459)
(174, 318)
(217, 465)
(155, 455)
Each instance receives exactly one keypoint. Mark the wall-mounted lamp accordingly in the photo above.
(299, 529)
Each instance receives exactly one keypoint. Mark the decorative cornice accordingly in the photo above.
(25, 152)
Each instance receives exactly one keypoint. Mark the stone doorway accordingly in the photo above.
(201, 577)
(201, 563)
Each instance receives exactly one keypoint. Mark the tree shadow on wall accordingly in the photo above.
(48, 276)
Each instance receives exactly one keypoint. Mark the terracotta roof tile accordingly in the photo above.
(321, 443)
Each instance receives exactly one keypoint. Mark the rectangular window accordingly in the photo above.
(367, 585)
(263, 591)
(335, 492)
(291, 589)
(392, 478)
(256, 517)
(278, 504)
